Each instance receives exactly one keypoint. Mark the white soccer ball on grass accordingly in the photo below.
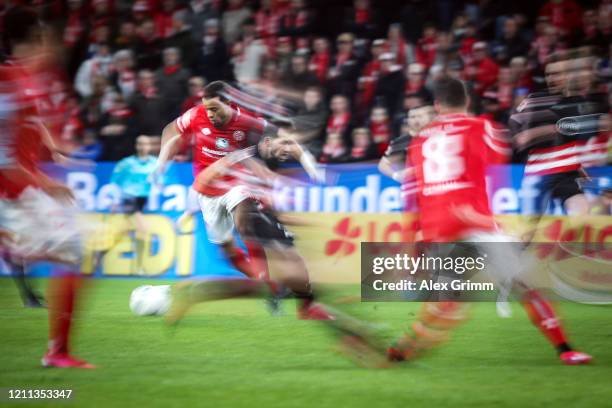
(150, 300)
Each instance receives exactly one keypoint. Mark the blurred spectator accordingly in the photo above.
(148, 47)
(232, 19)
(414, 14)
(361, 20)
(267, 20)
(521, 75)
(404, 52)
(426, 46)
(127, 36)
(164, 26)
(171, 81)
(99, 64)
(212, 56)
(390, 84)
(380, 128)
(296, 23)
(415, 78)
(362, 147)
(196, 93)
(565, 15)
(366, 84)
(344, 69)
(545, 44)
(123, 77)
(334, 150)
(115, 131)
(181, 38)
(284, 53)
(483, 71)
(94, 106)
(512, 43)
(467, 41)
(310, 119)
(248, 54)
(198, 12)
(320, 60)
(74, 37)
(505, 90)
(299, 78)
(149, 107)
(340, 119)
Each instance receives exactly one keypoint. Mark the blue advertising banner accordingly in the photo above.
(174, 252)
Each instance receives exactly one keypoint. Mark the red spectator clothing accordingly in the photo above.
(319, 64)
(426, 51)
(449, 157)
(332, 152)
(367, 83)
(486, 74)
(211, 143)
(381, 135)
(338, 123)
(398, 48)
(163, 25)
(74, 29)
(525, 81)
(566, 15)
(293, 20)
(465, 49)
(414, 86)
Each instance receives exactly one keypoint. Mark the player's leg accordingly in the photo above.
(28, 295)
(501, 252)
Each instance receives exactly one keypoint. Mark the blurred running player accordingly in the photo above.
(37, 212)
(449, 159)
(216, 128)
(252, 168)
(558, 131)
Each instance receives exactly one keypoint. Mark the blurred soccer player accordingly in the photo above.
(556, 132)
(219, 127)
(37, 211)
(449, 159)
(132, 176)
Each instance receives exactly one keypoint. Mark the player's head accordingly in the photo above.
(22, 26)
(419, 117)
(278, 148)
(143, 146)
(556, 75)
(450, 95)
(216, 102)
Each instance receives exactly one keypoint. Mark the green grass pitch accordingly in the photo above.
(233, 354)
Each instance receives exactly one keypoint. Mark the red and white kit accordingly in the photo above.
(449, 157)
(210, 144)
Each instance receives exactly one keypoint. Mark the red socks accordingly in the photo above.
(543, 316)
(62, 298)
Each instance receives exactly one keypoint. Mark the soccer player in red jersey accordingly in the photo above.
(36, 212)
(448, 159)
(215, 129)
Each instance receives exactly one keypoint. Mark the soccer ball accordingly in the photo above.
(149, 300)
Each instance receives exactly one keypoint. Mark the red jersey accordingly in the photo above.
(450, 157)
(210, 144)
(21, 144)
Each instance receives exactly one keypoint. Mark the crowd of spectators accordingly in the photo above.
(349, 74)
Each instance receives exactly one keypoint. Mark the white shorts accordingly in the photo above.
(41, 227)
(217, 213)
(505, 259)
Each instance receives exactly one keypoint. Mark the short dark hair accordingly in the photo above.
(450, 92)
(19, 24)
(216, 89)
